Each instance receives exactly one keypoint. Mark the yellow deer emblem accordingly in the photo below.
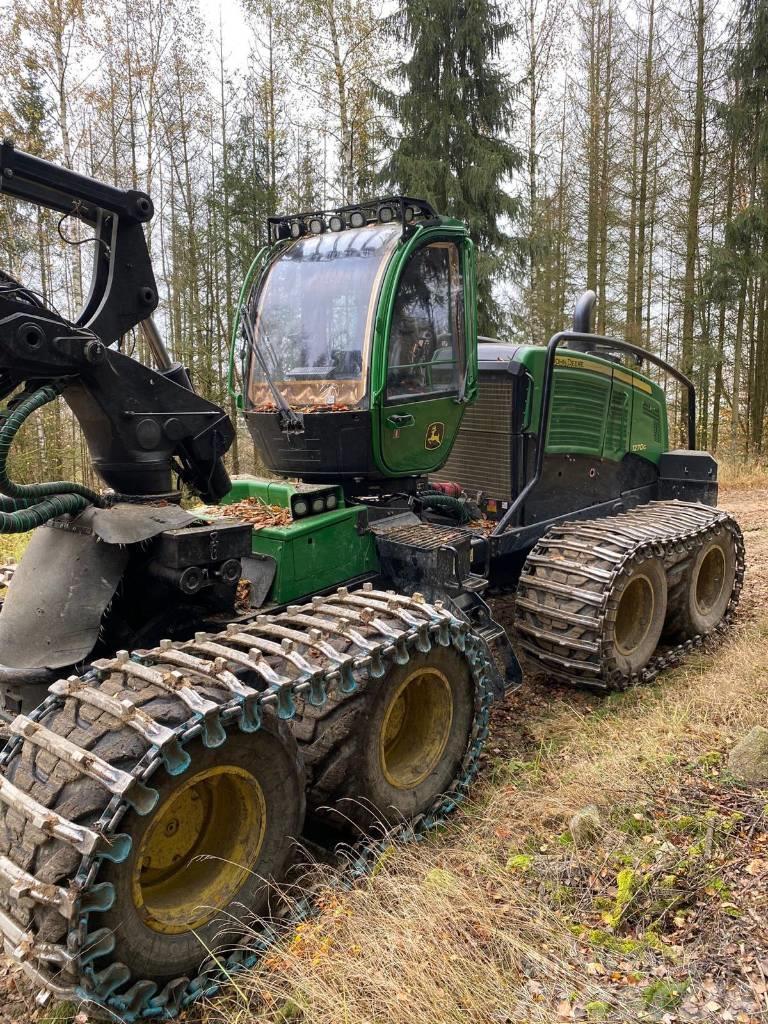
(434, 436)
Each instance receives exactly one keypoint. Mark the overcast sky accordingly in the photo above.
(236, 38)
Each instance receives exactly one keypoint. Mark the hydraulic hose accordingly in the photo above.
(26, 506)
(444, 503)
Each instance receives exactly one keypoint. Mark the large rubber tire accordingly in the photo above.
(271, 755)
(349, 778)
(699, 601)
(637, 609)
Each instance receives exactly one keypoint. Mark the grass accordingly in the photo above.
(502, 918)
(741, 473)
(12, 546)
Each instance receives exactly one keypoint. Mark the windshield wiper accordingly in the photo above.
(290, 422)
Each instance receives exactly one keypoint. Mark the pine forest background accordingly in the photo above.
(620, 145)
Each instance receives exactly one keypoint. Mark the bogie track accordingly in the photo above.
(589, 598)
(84, 769)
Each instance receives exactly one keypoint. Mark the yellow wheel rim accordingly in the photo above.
(634, 615)
(710, 580)
(416, 727)
(199, 849)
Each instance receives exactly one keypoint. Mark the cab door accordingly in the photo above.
(426, 367)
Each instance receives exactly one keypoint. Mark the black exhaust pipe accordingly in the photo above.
(583, 316)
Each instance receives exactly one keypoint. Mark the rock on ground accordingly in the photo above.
(748, 760)
(585, 825)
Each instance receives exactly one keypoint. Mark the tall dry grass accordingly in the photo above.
(457, 929)
(740, 473)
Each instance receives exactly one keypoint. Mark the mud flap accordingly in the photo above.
(51, 615)
(68, 575)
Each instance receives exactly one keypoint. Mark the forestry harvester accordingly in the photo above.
(181, 687)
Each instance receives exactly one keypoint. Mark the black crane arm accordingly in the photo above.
(141, 424)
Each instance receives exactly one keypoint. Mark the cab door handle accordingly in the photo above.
(396, 421)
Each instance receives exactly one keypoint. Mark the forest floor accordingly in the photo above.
(660, 915)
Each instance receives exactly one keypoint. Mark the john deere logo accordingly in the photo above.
(434, 438)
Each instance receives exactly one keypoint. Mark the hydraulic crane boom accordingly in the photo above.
(141, 424)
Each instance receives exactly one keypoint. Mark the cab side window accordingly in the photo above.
(426, 342)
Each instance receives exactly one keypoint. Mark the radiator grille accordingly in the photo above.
(579, 411)
(617, 428)
(425, 536)
(652, 410)
(481, 456)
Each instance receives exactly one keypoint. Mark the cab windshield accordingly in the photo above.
(314, 316)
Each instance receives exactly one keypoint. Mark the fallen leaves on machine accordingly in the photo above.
(321, 407)
(254, 511)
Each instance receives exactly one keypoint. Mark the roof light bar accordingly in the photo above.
(383, 210)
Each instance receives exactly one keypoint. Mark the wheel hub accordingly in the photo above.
(199, 849)
(710, 580)
(634, 615)
(416, 727)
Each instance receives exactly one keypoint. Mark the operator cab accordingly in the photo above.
(360, 350)
(313, 320)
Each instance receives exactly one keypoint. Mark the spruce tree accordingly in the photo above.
(454, 106)
(740, 265)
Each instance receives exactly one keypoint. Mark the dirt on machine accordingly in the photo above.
(187, 689)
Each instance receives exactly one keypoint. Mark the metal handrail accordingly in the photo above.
(590, 343)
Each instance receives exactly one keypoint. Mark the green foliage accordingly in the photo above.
(440, 880)
(626, 885)
(519, 862)
(30, 111)
(455, 113)
(289, 1011)
(12, 546)
(597, 1010)
(664, 995)
(602, 939)
(59, 1013)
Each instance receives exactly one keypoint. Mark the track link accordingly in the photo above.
(146, 708)
(565, 608)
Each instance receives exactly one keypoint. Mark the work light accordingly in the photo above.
(336, 223)
(318, 505)
(300, 508)
(357, 219)
(297, 228)
(386, 214)
(316, 225)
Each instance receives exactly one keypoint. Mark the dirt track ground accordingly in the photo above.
(725, 955)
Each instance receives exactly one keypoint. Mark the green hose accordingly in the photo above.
(444, 503)
(27, 506)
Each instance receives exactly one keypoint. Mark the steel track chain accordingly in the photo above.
(572, 646)
(334, 643)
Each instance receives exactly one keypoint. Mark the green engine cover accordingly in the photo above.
(314, 552)
(598, 407)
